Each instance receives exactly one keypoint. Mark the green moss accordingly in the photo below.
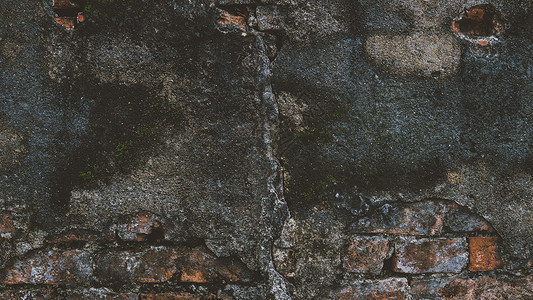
(96, 8)
(125, 150)
(92, 174)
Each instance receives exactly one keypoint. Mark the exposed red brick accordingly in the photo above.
(391, 288)
(67, 22)
(51, 267)
(479, 20)
(81, 17)
(7, 228)
(68, 13)
(474, 288)
(177, 296)
(484, 254)
(75, 235)
(233, 270)
(161, 264)
(366, 255)
(198, 267)
(226, 18)
(29, 294)
(157, 265)
(444, 255)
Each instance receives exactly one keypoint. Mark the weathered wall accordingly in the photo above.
(265, 149)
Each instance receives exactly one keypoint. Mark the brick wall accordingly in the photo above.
(433, 249)
(132, 260)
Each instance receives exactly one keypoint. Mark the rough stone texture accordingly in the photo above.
(474, 288)
(12, 146)
(6, 225)
(397, 137)
(270, 17)
(51, 267)
(417, 54)
(235, 148)
(75, 235)
(415, 256)
(29, 294)
(366, 255)
(391, 288)
(421, 218)
(176, 296)
(310, 252)
(484, 253)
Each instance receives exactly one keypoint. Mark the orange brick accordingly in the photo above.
(67, 22)
(72, 267)
(366, 255)
(484, 254)
(227, 18)
(444, 255)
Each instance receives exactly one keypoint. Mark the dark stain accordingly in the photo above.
(479, 20)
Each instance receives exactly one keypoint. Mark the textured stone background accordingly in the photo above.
(257, 149)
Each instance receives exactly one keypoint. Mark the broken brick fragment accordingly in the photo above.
(444, 255)
(68, 13)
(228, 19)
(366, 255)
(480, 21)
(484, 254)
(157, 265)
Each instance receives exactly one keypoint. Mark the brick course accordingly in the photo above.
(71, 267)
(442, 255)
(474, 288)
(391, 288)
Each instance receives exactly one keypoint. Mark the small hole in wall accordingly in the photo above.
(481, 20)
(436, 74)
(68, 13)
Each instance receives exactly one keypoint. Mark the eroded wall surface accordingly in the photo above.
(266, 149)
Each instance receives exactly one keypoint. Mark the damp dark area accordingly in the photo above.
(67, 12)
(480, 20)
(125, 127)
